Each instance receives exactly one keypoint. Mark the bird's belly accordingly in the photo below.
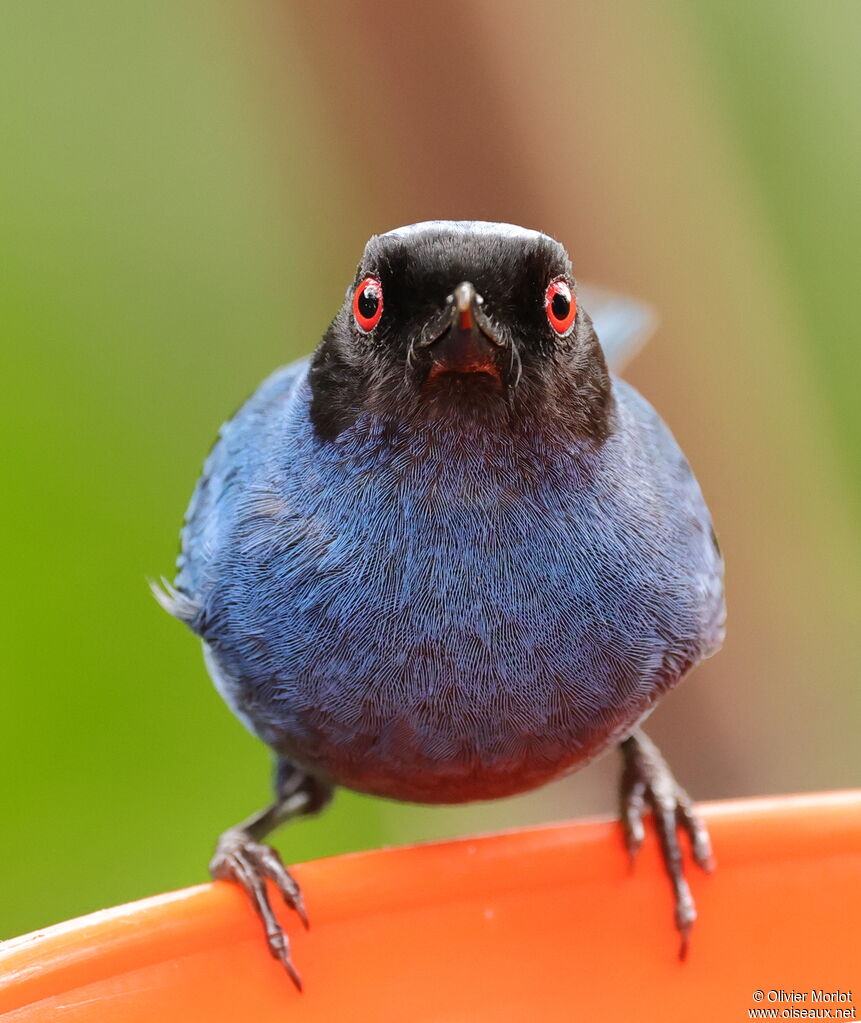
(456, 741)
(442, 767)
(472, 644)
(475, 688)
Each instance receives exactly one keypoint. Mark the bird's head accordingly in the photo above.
(462, 319)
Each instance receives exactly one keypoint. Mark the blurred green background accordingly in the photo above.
(186, 187)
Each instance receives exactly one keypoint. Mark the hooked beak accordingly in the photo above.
(463, 299)
(465, 341)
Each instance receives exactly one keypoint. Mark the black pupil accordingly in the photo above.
(369, 301)
(560, 305)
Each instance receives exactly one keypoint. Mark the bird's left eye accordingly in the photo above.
(368, 303)
(560, 306)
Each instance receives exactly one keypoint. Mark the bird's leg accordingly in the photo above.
(647, 780)
(240, 855)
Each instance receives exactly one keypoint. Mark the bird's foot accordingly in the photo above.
(238, 858)
(648, 781)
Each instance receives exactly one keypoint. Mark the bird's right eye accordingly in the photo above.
(368, 303)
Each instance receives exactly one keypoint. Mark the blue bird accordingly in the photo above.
(450, 557)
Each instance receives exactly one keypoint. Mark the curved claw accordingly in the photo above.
(248, 863)
(280, 949)
(274, 869)
(633, 811)
(684, 942)
(692, 824)
(647, 780)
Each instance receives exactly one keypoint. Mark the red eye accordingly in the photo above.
(560, 306)
(368, 303)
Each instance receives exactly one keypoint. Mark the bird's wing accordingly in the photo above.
(623, 324)
(224, 478)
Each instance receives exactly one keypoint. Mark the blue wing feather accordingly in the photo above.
(623, 324)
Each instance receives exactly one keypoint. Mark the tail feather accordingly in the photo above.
(623, 324)
(174, 601)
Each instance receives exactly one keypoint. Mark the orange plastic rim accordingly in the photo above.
(541, 924)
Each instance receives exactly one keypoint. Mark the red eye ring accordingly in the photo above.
(560, 306)
(368, 303)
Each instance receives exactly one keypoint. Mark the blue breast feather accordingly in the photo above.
(444, 614)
